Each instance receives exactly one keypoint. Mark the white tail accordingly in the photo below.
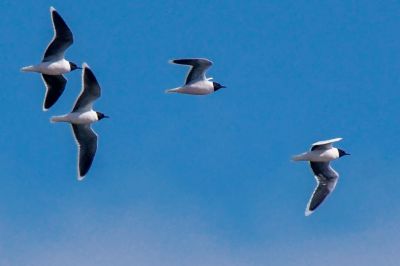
(28, 69)
(55, 119)
(301, 157)
(172, 90)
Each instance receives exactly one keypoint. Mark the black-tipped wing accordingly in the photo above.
(55, 85)
(197, 70)
(326, 178)
(90, 90)
(86, 139)
(324, 144)
(62, 38)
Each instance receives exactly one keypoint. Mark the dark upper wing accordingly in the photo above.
(90, 90)
(62, 38)
(323, 170)
(87, 144)
(322, 147)
(55, 85)
(326, 178)
(198, 68)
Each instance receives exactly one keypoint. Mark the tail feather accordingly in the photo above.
(28, 69)
(172, 90)
(300, 157)
(55, 119)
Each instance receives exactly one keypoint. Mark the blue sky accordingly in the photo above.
(181, 180)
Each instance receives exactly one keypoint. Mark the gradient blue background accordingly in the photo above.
(183, 180)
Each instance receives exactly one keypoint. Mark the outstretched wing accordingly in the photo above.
(62, 38)
(324, 144)
(90, 90)
(326, 179)
(86, 139)
(55, 85)
(197, 70)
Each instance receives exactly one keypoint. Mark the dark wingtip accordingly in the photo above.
(82, 173)
(47, 106)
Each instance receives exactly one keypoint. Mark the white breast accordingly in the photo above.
(55, 68)
(324, 155)
(201, 87)
(83, 118)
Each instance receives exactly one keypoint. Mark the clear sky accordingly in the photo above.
(181, 180)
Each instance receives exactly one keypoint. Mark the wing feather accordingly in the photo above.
(90, 90)
(197, 70)
(324, 144)
(55, 86)
(86, 140)
(62, 38)
(326, 178)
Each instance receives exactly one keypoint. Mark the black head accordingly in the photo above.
(73, 66)
(342, 153)
(217, 86)
(101, 115)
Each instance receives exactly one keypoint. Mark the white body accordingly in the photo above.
(318, 155)
(87, 117)
(58, 67)
(201, 87)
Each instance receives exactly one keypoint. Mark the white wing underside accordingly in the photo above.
(329, 141)
(325, 144)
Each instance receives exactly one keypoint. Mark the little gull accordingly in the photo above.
(196, 82)
(81, 117)
(320, 155)
(53, 64)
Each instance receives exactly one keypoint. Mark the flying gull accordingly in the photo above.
(320, 155)
(53, 64)
(81, 118)
(196, 82)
